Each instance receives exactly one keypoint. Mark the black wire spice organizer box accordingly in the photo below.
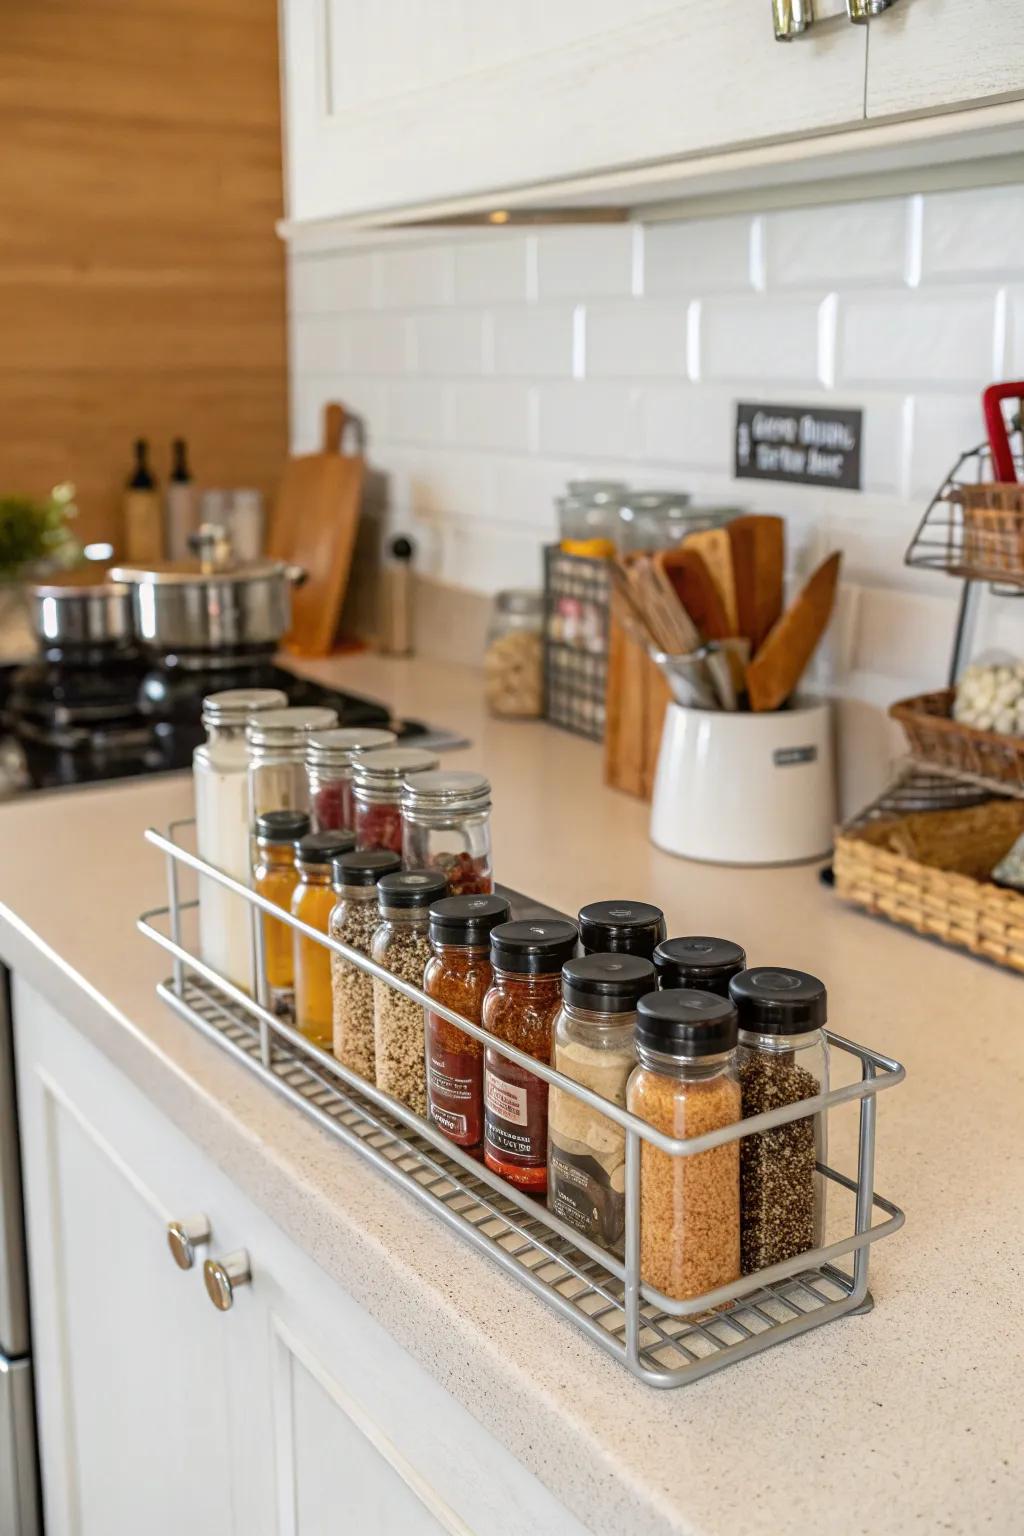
(666, 1343)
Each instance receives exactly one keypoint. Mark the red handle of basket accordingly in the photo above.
(995, 426)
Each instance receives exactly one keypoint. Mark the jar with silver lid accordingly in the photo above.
(514, 656)
(329, 759)
(446, 825)
(277, 751)
(377, 779)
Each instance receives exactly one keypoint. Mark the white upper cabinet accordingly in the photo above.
(421, 102)
(931, 54)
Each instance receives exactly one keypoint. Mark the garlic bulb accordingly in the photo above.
(990, 697)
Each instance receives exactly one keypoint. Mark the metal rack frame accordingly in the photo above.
(666, 1343)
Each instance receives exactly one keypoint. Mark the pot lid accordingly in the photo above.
(79, 584)
(169, 573)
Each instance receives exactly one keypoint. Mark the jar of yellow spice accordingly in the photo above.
(313, 903)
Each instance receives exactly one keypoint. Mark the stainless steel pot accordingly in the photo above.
(77, 611)
(190, 606)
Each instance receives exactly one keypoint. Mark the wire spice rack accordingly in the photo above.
(664, 1342)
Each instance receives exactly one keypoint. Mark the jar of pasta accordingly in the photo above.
(312, 903)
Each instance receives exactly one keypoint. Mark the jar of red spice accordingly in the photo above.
(446, 825)
(458, 974)
(377, 779)
(520, 1008)
(329, 759)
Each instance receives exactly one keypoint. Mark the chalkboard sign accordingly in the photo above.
(807, 445)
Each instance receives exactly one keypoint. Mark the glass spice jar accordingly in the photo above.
(593, 1044)
(614, 927)
(312, 903)
(354, 920)
(514, 656)
(458, 974)
(783, 1057)
(702, 964)
(401, 945)
(684, 1085)
(275, 877)
(519, 1008)
(277, 771)
(377, 779)
(446, 825)
(329, 759)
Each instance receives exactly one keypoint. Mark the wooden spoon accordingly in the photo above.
(779, 665)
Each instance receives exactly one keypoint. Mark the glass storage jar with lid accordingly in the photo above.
(329, 759)
(588, 517)
(401, 945)
(312, 902)
(446, 825)
(633, 927)
(275, 877)
(277, 768)
(593, 1044)
(704, 964)
(514, 656)
(354, 920)
(377, 779)
(783, 1057)
(685, 1083)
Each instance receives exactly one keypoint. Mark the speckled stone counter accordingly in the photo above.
(905, 1419)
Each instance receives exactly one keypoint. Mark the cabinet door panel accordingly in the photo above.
(928, 54)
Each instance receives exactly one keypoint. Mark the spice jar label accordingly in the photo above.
(580, 1191)
(455, 1087)
(516, 1115)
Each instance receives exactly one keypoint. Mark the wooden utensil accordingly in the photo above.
(779, 665)
(712, 544)
(758, 557)
(691, 581)
(314, 526)
(667, 621)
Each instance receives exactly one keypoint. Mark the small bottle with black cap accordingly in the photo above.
(783, 1057)
(617, 927)
(401, 945)
(312, 903)
(275, 877)
(593, 1045)
(353, 921)
(685, 1084)
(700, 963)
(520, 1008)
(458, 974)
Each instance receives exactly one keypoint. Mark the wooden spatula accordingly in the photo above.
(314, 526)
(690, 578)
(712, 544)
(779, 665)
(758, 557)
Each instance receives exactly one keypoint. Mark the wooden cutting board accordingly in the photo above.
(779, 665)
(692, 582)
(313, 526)
(758, 558)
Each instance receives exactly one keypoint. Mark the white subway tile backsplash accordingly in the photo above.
(937, 340)
(492, 271)
(418, 411)
(635, 339)
(525, 490)
(974, 233)
(447, 342)
(584, 260)
(698, 256)
(492, 414)
(589, 417)
(1013, 361)
(689, 426)
(905, 635)
(379, 343)
(412, 277)
(746, 340)
(533, 343)
(328, 284)
(847, 245)
(942, 427)
(319, 343)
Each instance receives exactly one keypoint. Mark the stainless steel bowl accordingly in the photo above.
(79, 611)
(187, 606)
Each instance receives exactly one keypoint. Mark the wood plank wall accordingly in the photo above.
(141, 281)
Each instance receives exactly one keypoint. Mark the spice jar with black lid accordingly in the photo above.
(593, 1044)
(685, 1084)
(698, 962)
(312, 903)
(401, 945)
(458, 974)
(275, 876)
(354, 920)
(446, 825)
(783, 1057)
(329, 759)
(377, 781)
(519, 1008)
(611, 927)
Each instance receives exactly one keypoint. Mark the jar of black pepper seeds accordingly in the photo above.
(783, 1056)
(402, 946)
(704, 964)
(610, 927)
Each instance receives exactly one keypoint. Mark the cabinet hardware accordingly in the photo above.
(860, 11)
(184, 1237)
(791, 17)
(223, 1276)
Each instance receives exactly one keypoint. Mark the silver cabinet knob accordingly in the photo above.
(224, 1276)
(860, 11)
(184, 1237)
(791, 17)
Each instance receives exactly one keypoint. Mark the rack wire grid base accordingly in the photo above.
(664, 1342)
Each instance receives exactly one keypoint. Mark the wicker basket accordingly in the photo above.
(993, 530)
(947, 746)
(930, 872)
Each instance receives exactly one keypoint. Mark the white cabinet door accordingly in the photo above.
(397, 105)
(925, 55)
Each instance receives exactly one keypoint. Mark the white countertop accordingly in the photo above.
(907, 1418)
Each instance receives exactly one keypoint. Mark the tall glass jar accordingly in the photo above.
(593, 1044)
(629, 927)
(685, 1084)
(377, 779)
(588, 517)
(277, 749)
(312, 903)
(698, 962)
(402, 946)
(354, 920)
(520, 1008)
(219, 773)
(458, 974)
(783, 1057)
(274, 876)
(514, 656)
(329, 759)
(446, 825)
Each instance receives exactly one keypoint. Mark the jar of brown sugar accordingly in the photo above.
(699, 963)
(686, 1084)
(354, 920)
(401, 945)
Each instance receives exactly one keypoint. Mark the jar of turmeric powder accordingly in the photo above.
(313, 902)
(274, 876)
